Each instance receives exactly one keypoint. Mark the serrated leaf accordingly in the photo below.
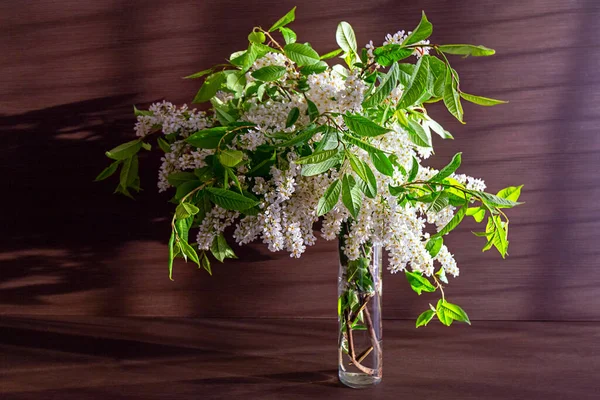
(189, 252)
(417, 134)
(441, 274)
(316, 68)
(382, 163)
(391, 53)
(329, 198)
(451, 96)
(185, 188)
(269, 73)
(108, 171)
(351, 195)
(386, 86)
(288, 35)
(480, 100)
(417, 86)
(419, 283)
(495, 201)
(186, 210)
(434, 245)
(230, 200)
(317, 157)
(448, 312)
(363, 126)
(414, 170)
(257, 37)
(421, 32)
(313, 111)
(230, 158)
(292, 117)
(425, 318)
(290, 16)
(125, 150)
(466, 50)
(220, 249)
(345, 37)
(511, 193)
(453, 223)
(448, 169)
(207, 138)
(302, 138)
(177, 178)
(331, 54)
(210, 87)
(319, 168)
(301, 54)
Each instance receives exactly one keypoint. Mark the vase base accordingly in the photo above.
(357, 380)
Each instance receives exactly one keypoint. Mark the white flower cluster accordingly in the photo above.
(397, 38)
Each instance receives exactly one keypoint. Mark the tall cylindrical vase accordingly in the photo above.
(359, 314)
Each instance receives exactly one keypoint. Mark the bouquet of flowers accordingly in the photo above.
(290, 138)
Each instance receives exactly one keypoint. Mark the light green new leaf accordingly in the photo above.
(417, 86)
(230, 200)
(478, 213)
(292, 117)
(425, 318)
(220, 249)
(419, 283)
(414, 170)
(205, 262)
(317, 157)
(351, 195)
(230, 158)
(437, 128)
(367, 183)
(346, 38)
(434, 245)
(290, 16)
(329, 198)
(177, 178)
(108, 171)
(452, 97)
(448, 169)
(331, 54)
(210, 87)
(189, 252)
(482, 101)
(313, 111)
(288, 35)
(466, 50)
(139, 113)
(171, 254)
(257, 37)
(497, 235)
(125, 150)
(448, 312)
(421, 32)
(511, 193)
(269, 73)
(186, 210)
(301, 54)
(199, 74)
(496, 201)
(363, 126)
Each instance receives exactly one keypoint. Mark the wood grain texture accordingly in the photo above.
(143, 358)
(70, 71)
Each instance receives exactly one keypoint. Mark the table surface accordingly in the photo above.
(158, 358)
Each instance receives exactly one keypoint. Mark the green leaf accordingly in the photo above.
(495, 201)
(210, 87)
(319, 168)
(386, 86)
(257, 37)
(329, 198)
(283, 21)
(451, 96)
(302, 137)
(207, 138)
(189, 252)
(363, 126)
(317, 157)
(453, 223)
(421, 32)
(164, 145)
(316, 68)
(301, 54)
(478, 213)
(417, 86)
(351, 195)
(292, 117)
(466, 50)
(269, 73)
(220, 249)
(139, 113)
(482, 101)
(313, 111)
(448, 169)
(425, 318)
(382, 163)
(108, 171)
(369, 148)
(419, 283)
(262, 166)
(288, 35)
(414, 170)
(437, 128)
(236, 82)
(497, 235)
(346, 38)
(511, 193)
(199, 74)
(129, 171)
(368, 183)
(331, 54)
(230, 200)
(434, 245)
(448, 312)
(186, 210)
(230, 158)
(171, 254)
(205, 263)
(441, 274)
(185, 188)
(125, 150)
(417, 134)
(178, 178)
(391, 53)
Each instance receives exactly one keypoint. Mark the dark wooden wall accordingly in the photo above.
(70, 71)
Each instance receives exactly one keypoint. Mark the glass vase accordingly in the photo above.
(359, 315)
